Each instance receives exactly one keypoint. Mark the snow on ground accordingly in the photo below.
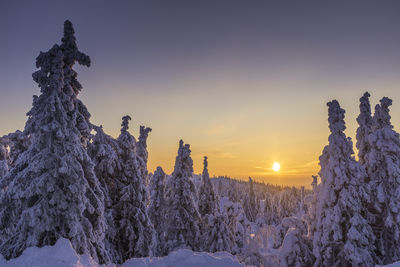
(394, 264)
(63, 255)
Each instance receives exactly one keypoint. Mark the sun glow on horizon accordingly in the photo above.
(276, 167)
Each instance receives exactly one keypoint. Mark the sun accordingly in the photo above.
(276, 167)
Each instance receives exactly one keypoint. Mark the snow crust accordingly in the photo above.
(63, 255)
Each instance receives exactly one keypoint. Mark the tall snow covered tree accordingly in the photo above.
(104, 151)
(343, 236)
(250, 204)
(135, 233)
(183, 219)
(157, 207)
(53, 189)
(208, 199)
(364, 129)
(382, 162)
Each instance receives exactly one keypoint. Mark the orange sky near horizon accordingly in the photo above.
(243, 82)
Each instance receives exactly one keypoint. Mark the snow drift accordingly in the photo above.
(63, 255)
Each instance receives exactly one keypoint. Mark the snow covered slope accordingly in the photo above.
(63, 255)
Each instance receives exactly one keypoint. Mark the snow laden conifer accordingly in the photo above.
(104, 151)
(383, 166)
(364, 129)
(219, 236)
(53, 190)
(183, 219)
(142, 152)
(343, 236)
(208, 199)
(296, 249)
(135, 233)
(238, 223)
(250, 203)
(157, 207)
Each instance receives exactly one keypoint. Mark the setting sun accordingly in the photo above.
(276, 166)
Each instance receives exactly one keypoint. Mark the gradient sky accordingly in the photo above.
(244, 82)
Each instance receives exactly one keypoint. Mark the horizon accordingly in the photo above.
(245, 93)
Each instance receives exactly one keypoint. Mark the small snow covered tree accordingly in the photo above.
(157, 208)
(342, 234)
(208, 199)
(311, 201)
(53, 190)
(250, 204)
(296, 249)
(238, 223)
(233, 194)
(271, 215)
(218, 235)
(183, 218)
(382, 162)
(135, 233)
(364, 129)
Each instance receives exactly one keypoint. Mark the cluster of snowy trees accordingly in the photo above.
(64, 177)
(352, 216)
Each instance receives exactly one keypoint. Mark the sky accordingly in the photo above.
(243, 82)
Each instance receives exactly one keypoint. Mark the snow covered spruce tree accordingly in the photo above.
(343, 236)
(296, 249)
(183, 219)
(157, 208)
(218, 236)
(53, 189)
(104, 151)
(364, 129)
(135, 233)
(238, 224)
(382, 162)
(250, 203)
(142, 144)
(208, 199)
